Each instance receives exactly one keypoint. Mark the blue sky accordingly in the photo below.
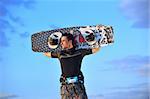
(119, 71)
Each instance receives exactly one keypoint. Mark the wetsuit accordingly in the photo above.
(70, 61)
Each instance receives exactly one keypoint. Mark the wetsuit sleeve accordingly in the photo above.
(86, 52)
(55, 54)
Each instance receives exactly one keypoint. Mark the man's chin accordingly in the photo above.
(63, 47)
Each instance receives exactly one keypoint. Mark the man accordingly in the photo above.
(72, 79)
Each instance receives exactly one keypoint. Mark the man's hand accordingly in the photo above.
(94, 50)
(48, 54)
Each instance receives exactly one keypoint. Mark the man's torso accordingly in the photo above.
(71, 60)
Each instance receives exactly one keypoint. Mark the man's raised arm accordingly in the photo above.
(94, 50)
(48, 54)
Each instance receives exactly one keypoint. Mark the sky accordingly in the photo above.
(118, 71)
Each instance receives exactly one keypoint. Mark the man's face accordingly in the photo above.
(64, 42)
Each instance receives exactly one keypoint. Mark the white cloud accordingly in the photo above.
(134, 63)
(137, 11)
(139, 91)
(99, 96)
(7, 18)
(7, 96)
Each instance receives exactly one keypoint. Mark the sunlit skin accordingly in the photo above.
(65, 43)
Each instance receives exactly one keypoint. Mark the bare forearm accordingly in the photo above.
(94, 50)
(48, 54)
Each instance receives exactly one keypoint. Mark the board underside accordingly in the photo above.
(103, 33)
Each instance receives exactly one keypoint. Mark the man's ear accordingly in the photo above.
(70, 42)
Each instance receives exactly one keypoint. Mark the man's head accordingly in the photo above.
(67, 41)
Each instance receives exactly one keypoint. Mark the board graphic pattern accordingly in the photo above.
(103, 36)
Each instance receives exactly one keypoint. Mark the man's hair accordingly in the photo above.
(69, 37)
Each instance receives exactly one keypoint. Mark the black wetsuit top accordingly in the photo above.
(71, 60)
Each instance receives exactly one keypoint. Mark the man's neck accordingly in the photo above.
(70, 47)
